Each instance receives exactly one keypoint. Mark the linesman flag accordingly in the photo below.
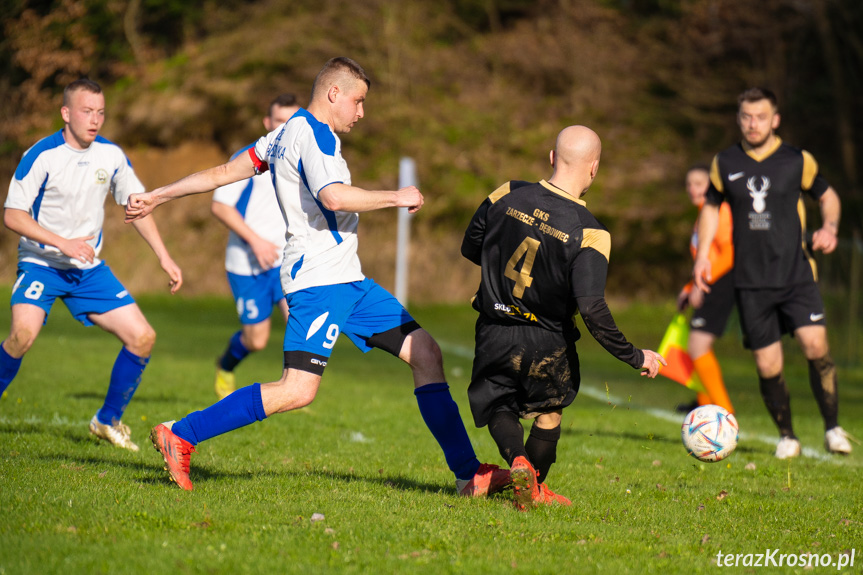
(673, 349)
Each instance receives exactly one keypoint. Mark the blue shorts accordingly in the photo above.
(255, 296)
(95, 290)
(364, 311)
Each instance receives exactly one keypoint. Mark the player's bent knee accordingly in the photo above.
(815, 349)
(424, 350)
(813, 341)
(142, 343)
(429, 357)
(256, 342)
(549, 420)
(295, 390)
(295, 402)
(20, 341)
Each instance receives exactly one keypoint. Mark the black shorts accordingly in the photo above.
(713, 314)
(766, 314)
(523, 369)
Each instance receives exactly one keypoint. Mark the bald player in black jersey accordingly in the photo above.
(544, 259)
(763, 180)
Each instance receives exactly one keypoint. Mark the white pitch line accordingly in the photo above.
(663, 414)
(56, 421)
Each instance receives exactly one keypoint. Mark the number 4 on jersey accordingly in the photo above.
(522, 278)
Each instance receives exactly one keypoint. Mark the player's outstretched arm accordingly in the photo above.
(708, 222)
(601, 325)
(23, 224)
(652, 363)
(141, 205)
(344, 198)
(148, 230)
(825, 239)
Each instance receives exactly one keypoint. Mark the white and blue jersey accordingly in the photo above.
(255, 200)
(64, 190)
(304, 156)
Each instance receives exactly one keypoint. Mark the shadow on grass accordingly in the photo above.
(621, 435)
(400, 483)
(202, 475)
(139, 398)
(751, 449)
(117, 457)
(87, 395)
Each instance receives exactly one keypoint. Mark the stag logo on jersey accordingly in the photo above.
(758, 193)
(101, 176)
(759, 219)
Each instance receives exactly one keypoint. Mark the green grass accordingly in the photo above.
(361, 456)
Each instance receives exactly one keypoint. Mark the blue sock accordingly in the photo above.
(441, 415)
(235, 353)
(239, 409)
(8, 368)
(125, 378)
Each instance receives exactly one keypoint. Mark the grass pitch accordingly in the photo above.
(356, 484)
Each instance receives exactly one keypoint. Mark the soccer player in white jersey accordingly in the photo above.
(250, 210)
(56, 202)
(325, 287)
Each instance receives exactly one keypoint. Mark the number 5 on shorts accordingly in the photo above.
(522, 278)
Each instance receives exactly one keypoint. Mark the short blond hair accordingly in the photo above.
(85, 84)
(337, 68)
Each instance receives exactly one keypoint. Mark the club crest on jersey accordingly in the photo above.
(758, 194)
(759, 219)
(101, 176)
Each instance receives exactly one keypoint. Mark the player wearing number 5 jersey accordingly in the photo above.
(250, 210)
(321, 275)
(544, 259)
(56, 203)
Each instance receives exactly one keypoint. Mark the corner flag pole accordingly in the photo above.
(407, 177)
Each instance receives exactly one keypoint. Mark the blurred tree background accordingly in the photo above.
(474, 90)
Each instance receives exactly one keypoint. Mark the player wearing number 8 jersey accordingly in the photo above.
(321, 275)
(544, 259)
(56, 203)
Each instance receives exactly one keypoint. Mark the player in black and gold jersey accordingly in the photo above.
(763, 180)
(544, 258)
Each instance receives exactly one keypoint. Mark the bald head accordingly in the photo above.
(577, 145)
(575, 159)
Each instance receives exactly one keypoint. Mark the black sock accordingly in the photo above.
(776, 398)
(508, 434)
(541, 448)
(822, 379)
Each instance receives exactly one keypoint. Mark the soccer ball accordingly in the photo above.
(709, 433)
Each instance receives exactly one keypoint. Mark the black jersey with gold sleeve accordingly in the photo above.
(544, 257)
(769, 218)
